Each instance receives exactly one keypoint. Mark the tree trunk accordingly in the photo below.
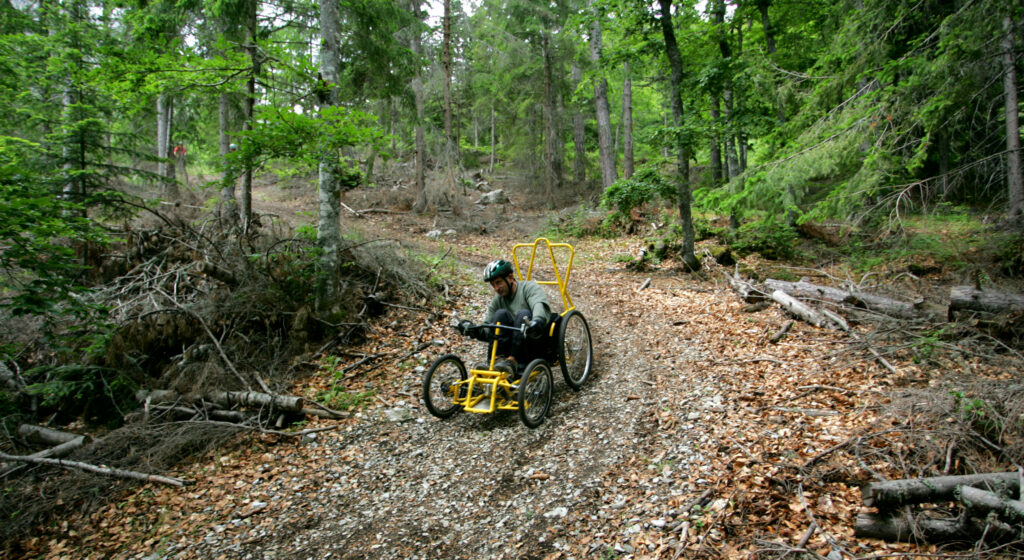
(769, 39)
(252, 27)
(61, 450)
(729, 139)
(552, 140)
(494, 141)
(1014, 181)
(579, 135)
(683, 151)
(604, 121)
(983, 501)
(627, 125)
(716, 141)
(253, 399)
(106, 471)
(815, 292)
(900, 529)
(450, 145)
(420, 144)
(229, 206)
(798, 308)
(164, 167)
(329, 190)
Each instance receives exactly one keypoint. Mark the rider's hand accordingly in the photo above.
(535, 328)
(465, 327)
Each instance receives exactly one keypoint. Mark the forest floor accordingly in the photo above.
(695, 436)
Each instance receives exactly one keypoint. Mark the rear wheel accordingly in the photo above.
(534, 393)
(441, 384)
(575, 349)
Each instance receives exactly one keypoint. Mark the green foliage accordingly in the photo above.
(767, 236)
(646, 186)
(583, 222)
(980, 414)
(340, 399)
(39, 233)
(304, 138)
(99, 393)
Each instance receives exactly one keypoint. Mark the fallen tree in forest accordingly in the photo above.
(216, 404)
(990, 508)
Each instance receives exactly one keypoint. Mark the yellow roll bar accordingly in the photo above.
(561, 279)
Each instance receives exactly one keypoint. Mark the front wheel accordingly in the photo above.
(575, 349)
(441, 385)
(534, 393)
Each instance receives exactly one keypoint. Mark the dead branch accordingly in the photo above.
(781, 333)
(62, 450)
(105, 471)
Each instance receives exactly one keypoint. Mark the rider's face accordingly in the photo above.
(501, 286)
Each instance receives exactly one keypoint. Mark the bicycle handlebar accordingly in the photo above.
(521, 328)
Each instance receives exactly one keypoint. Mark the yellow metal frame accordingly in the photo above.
(493, 386)
(561, 277)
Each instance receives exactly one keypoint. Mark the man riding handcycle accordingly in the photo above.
(525, 339)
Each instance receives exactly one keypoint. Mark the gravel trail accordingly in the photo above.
(485, 486)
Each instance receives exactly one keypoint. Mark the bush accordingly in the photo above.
(646, 186)
(773, 240)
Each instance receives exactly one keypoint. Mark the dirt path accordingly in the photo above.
(695, 436)
(485, 486)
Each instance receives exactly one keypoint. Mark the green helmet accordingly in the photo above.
(497, 269)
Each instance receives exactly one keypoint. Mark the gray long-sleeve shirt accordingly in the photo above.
(529, 295)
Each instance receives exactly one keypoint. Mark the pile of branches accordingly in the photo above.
(198, 313)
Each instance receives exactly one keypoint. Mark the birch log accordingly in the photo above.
(106, 471)
(798, 308)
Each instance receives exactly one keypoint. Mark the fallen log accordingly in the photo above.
(798, 308)
(744, 289)
(257, 400)
(902, 529)
(106, 471)
(983, 501)
(891, 494)
(225, 399)
(805, 290)
(969, 298)
(46, 436)
(62, 450)
(880, 304)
